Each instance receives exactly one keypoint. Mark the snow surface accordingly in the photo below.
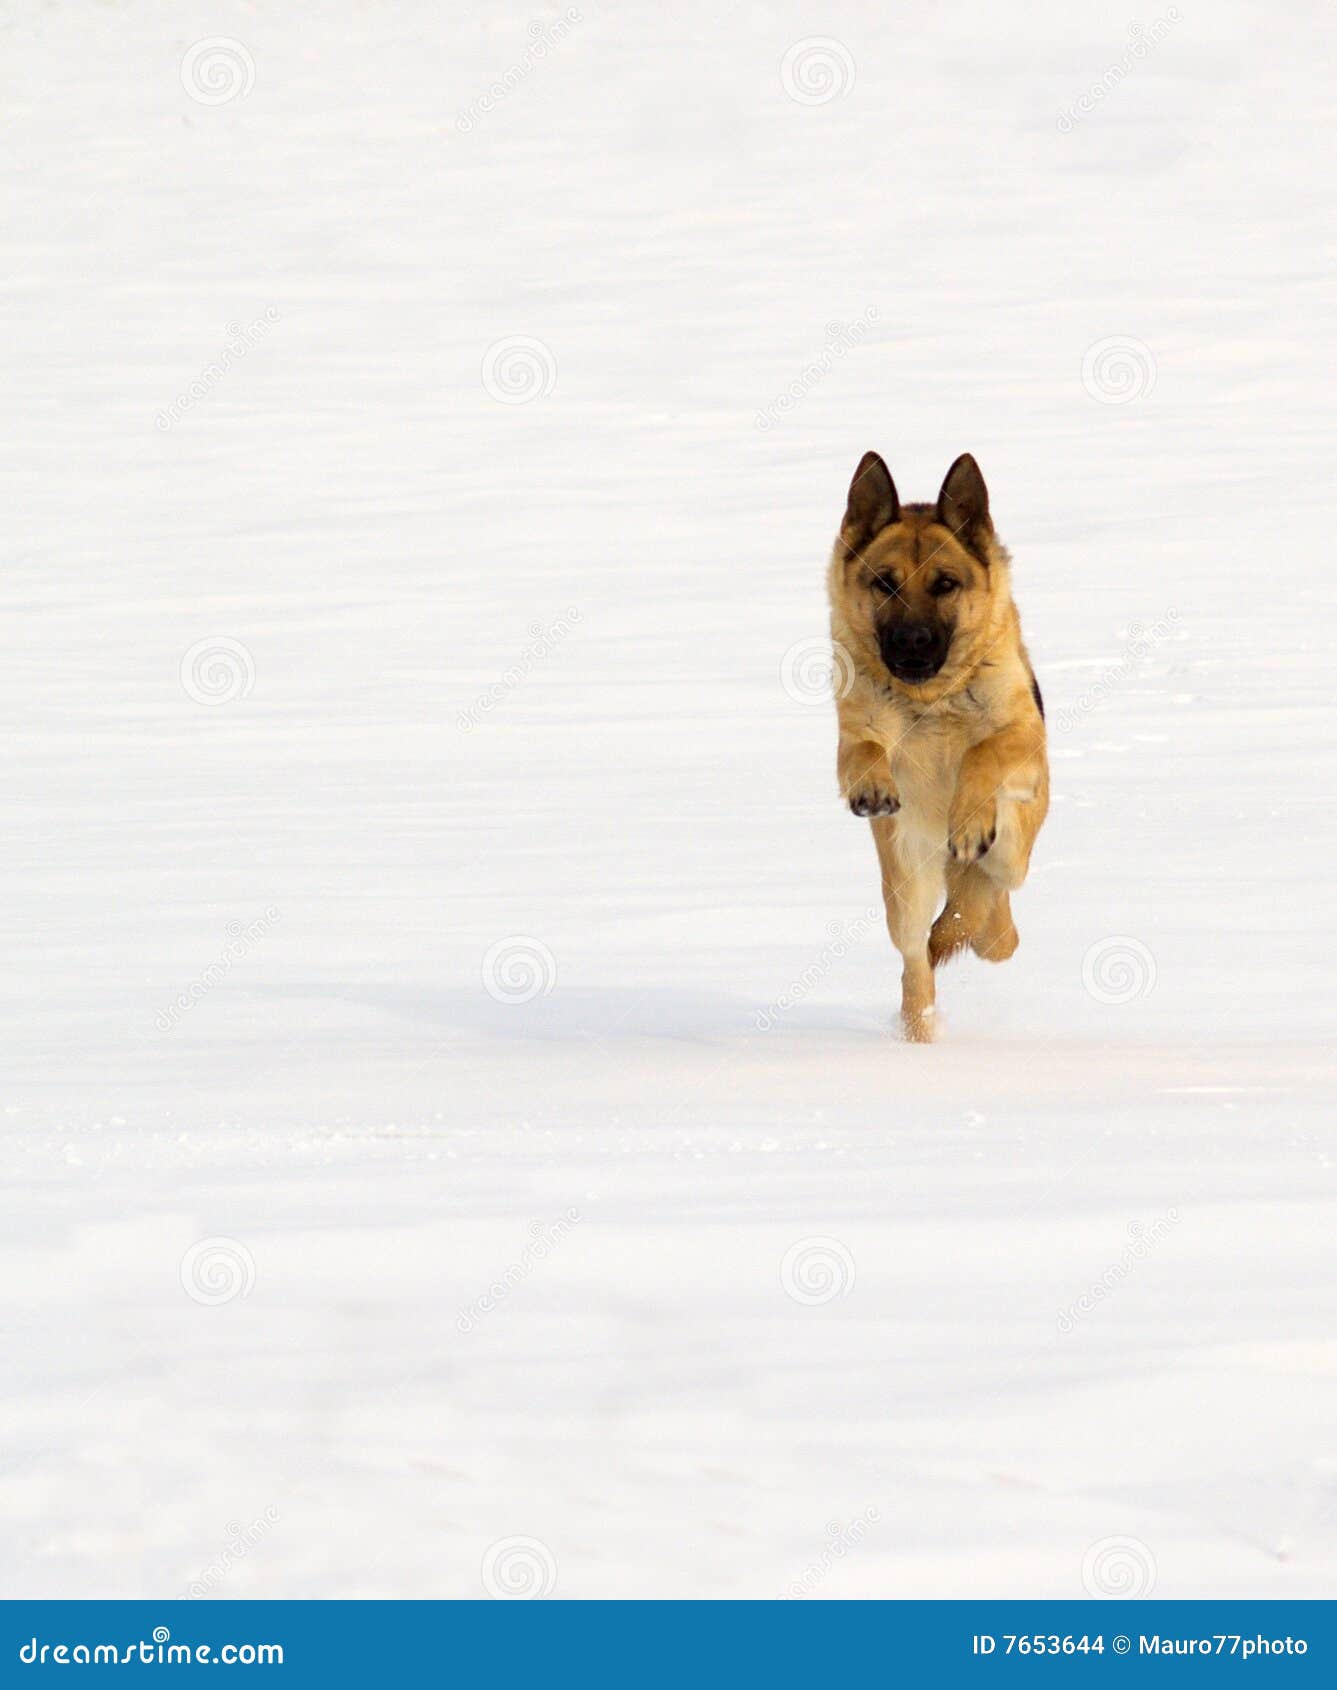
(677, 1391)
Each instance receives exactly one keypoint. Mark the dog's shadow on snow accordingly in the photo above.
(583, 1013)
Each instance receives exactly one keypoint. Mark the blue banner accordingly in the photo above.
(692, 1644)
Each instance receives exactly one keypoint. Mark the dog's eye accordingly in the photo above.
(884, 584)
(943, 585)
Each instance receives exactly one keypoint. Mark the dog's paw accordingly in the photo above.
(920, 1026)
(874, 797)
(972, 828)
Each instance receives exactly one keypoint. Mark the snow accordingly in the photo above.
(518, 688)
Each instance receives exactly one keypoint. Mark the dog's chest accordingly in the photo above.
(925, 761)
(925, 749)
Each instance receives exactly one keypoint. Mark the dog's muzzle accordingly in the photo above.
(914, 651)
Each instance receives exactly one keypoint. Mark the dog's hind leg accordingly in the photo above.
(911, 888)
(978, 914)
(997, 937)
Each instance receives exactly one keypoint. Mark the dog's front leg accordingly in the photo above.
(862, 768)
(1002, 792)
(912, 880)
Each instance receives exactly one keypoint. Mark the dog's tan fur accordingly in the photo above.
(951, 770)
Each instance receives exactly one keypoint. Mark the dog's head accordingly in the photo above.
(918, 583)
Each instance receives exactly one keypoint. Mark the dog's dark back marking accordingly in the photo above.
(1035, 694)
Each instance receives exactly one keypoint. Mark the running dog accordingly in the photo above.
(942, 734)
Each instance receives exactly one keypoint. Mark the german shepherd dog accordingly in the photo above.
(942, 737)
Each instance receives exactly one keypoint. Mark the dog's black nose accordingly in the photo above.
(913, 650)
(913, 639)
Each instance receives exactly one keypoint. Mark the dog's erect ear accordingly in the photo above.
(872, 502)
(963, 503)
